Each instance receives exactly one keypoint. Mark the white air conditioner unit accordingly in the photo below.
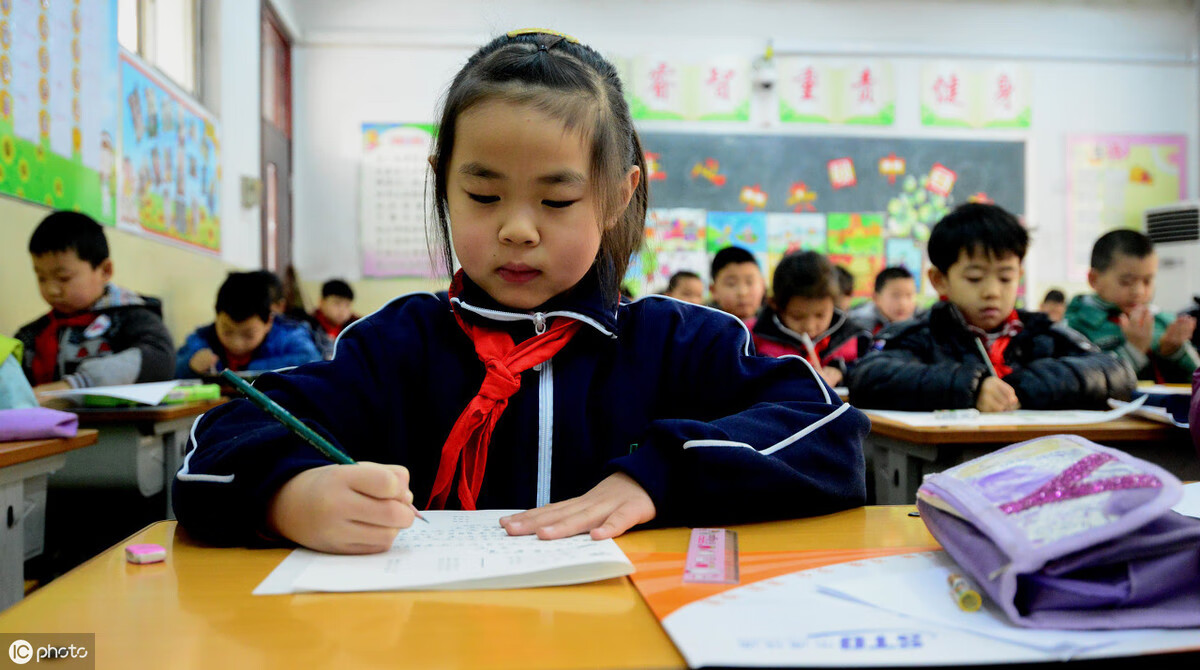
(1175, 231)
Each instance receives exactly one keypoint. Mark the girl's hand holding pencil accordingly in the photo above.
(348, 508)
(344, 509)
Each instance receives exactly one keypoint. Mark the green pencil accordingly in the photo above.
(295, 425)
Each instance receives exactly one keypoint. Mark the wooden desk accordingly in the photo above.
(24, 467)
(902, 454)
(195, 610)
(139, 447)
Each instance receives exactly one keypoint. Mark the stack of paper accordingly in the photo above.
(1021, 417)
(455, 550)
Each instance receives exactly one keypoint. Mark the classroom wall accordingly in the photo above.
(185, 280)
(1104, 67)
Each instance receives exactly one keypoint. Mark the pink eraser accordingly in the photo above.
(145, 553)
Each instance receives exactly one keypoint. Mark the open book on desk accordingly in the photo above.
(454, 551)
(150, 393)
(1021, 417)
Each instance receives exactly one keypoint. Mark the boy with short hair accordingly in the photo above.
(686, 286)
(737, 284)
(935, 361)
(895, 300)
(96, 333)
(246, 334)
(335, 311)
(1054, 305)
(1119, 318)
(802, 318)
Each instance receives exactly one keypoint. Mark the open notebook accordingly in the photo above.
(454, 551)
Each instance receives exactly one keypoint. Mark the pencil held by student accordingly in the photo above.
(96, 333)
(974, 348)
(597, 419)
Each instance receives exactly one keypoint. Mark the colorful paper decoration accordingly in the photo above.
(58, 104)
(997, 96)
(841, 173)
(392, 200)
(170, 161)
(819, 90)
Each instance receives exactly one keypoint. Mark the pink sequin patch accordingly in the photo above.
(1067, 486)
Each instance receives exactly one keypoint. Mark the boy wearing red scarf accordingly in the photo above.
(936, 361)
(96, 334)
(336, 309)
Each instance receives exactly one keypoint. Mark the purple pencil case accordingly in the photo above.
(1064, 533)
(36, 423)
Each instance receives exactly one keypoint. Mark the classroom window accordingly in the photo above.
(276, 75)
(165, 33)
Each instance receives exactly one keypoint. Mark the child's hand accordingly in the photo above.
(995, 395)
(204, 362)
(833, 376)
(612, 507)
(344, 509)
(1138, 327)
(1176, 334)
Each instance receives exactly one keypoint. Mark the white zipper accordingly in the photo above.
(539, 323)
(545, 429)
(513, 316)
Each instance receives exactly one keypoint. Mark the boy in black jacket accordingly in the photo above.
(936, 362)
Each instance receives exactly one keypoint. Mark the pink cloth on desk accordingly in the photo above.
(36, 423)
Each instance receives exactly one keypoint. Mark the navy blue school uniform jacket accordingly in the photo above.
(667, 392)
(932, 362)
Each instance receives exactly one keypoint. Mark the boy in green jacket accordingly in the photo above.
(1119, 317)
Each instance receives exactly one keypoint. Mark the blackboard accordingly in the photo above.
(867, 202)
(776, 162)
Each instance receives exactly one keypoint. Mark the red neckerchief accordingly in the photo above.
(328, 326)
(238, 363)
(45, 346)
(466, 445)
(1008, 329)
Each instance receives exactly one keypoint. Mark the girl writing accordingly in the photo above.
(529, 385)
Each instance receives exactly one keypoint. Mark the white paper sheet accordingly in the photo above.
(791, 620)
(1165, 389)
(1021, 417)
(151, 393)
(1154, 413)
(916, 586)
(455, 550)
(1189, 505)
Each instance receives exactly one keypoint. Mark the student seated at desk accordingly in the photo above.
(96, 334)
(801, 318)
(246, 334)
(935, 361)
(895, 300)
(529, 384)
(737, 284)
(335, 311)
(1119, 317)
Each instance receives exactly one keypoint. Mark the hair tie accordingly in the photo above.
(543, 47)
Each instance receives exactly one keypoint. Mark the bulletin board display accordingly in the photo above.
(395, 160)
(170, 162)
(1112, 180)
(58, 114)
(867, 202)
